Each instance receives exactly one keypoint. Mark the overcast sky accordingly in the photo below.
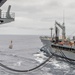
(37, 16)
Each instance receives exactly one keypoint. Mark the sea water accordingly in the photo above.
(25, 54)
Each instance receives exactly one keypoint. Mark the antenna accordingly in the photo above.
(63, 18)
(63, 32)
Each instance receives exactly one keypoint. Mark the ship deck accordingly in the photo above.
(64, 47)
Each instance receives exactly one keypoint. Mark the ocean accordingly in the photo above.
(25, 54)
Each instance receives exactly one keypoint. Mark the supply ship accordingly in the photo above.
(62, 48)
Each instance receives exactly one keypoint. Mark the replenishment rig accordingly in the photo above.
(63, 48)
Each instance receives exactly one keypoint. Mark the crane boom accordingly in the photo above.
(59, 25)
(63, 29)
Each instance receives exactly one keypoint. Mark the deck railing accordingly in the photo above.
(3, 15)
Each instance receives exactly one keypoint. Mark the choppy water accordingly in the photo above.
(26, 54)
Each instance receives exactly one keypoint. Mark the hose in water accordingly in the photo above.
(15, 70)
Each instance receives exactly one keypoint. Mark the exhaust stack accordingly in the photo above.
(8, 12)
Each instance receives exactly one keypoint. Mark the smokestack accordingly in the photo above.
(8, 12)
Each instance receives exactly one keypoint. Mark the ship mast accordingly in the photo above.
(63, 31)
(51, 31)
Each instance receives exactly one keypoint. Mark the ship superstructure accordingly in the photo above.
(6, 17)
(63, 48)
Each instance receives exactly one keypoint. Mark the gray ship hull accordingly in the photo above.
(48, 49)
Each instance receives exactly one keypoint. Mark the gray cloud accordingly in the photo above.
(39, 15)
(71, 5)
